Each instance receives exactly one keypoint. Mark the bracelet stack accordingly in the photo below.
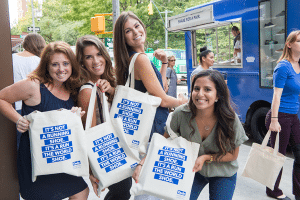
(211, 159)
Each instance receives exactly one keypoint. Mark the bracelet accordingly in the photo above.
(164, 63)
(19, 120)
(211, 159)
(274, 117)
(140, 165)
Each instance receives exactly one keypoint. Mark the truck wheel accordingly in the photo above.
(258, 128)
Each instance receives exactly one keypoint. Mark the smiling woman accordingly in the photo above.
(51, 86)
(209, 120)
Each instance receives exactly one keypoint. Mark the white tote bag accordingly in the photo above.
(137, 111)
(264, 163)
(57, 143)
(167, 170)
(111, 159)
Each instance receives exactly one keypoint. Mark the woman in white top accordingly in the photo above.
(25, 62)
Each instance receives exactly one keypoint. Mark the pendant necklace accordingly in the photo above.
(205, 127)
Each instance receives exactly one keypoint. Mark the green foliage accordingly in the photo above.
(67, 20)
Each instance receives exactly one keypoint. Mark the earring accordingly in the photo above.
(216, 100)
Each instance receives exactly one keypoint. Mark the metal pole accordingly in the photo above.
(32, 10)
(166, 30)
(116, 10)
(166, 26)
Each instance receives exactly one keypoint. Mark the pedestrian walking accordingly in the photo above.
(172, 80)
(282, 119)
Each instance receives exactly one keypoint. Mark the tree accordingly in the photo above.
(53, 26)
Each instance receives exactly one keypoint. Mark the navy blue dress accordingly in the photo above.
(46, 187)
(161, 115)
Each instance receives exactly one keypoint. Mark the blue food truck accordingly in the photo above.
(264, 26)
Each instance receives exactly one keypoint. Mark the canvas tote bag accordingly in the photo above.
(57, 143)
(137, 111)
(167, 170)
(264, 163)
(111, 159)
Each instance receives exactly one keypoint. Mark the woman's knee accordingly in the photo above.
(83, 195)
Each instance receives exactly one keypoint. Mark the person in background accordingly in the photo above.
(130, 38)
(282, 119)
(172, 80)
(51, 86)
(207, 59)
(209, 120)
(25, 62)
(96, 68)
(236, 43)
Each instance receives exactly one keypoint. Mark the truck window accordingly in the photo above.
(272, 29)
(221, 41)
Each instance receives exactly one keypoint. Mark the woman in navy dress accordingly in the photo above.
(53, 85)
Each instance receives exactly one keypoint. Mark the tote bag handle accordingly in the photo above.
(170, 131)
(131, 72)
(266, 139)
(90, 110)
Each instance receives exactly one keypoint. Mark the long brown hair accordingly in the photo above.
(287, 52)
(41, 73)
(222, 110)
(108, 74)
(121, 49)
(34, 43)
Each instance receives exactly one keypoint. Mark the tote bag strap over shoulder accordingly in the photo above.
(131, 72)
(266, 139)
(170, 131)
(90, 110)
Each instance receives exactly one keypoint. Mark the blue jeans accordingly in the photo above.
(220, 188)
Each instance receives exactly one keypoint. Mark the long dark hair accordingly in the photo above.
(223, 111)
(108, 74)
(121, 49)
(41, 73)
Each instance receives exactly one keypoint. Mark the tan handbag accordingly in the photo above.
(264, 163)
